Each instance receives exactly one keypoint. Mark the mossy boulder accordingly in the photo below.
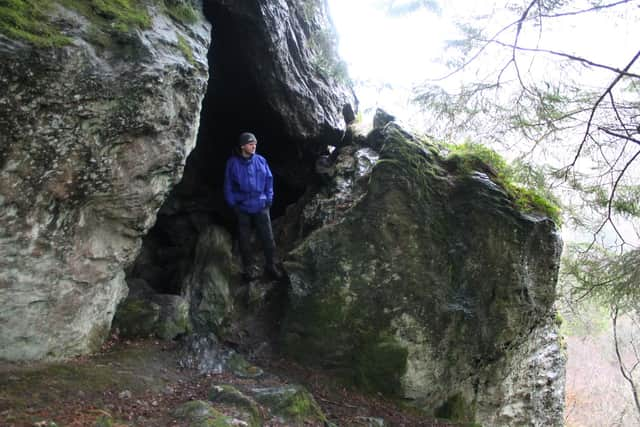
(294, 404)
(247, 408)
(431, 286)
(239, 366)
(174, 317)
(207, 283)
(199, 413)
(163, 316)
(136, 318)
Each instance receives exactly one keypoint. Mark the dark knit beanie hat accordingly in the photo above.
(246, 138)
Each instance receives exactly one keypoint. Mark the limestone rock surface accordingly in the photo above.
(431, 286)
(289, 55)
(276, 73)
(94, 135)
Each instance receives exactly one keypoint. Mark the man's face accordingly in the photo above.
(248, 149)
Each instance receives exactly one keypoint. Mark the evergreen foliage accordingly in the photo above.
(611, 278)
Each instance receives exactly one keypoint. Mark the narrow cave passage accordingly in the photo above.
(234, 103)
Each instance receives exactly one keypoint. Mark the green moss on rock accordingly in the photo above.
(198, 413)
(28, 20)
(380, 365)
(181, 11)
(456, 408)
(136, 317)
(295, 404)
(119, 15)
(243, 369)
(186, 49)
(228, 394)
(469, 157)
(111, 20)
(174, 317)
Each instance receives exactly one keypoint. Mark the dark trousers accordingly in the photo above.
(262, 221)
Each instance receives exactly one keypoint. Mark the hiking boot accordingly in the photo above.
(273, 272)
(251, 273)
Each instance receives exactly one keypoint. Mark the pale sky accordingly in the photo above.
(393, 54)
(404, 51)
(381, 47)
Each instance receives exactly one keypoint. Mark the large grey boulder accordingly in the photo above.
(290, 56)
(430, 285)
(207, 285)
(94, 135)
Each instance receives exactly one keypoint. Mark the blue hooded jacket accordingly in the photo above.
(248, 183)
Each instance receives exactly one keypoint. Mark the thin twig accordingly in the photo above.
(593, 9)
(618, 135)
(625, 72)
(595, 107)
(632, 384)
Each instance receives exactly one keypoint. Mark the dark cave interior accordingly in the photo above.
(233, 104)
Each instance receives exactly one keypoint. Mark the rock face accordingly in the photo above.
(428, 284)
(94, 135)
(96, 132)
(289, 57)
(282, 81)
(409, 274)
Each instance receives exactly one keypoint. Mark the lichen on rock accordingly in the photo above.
(94, 136)
(431, 286)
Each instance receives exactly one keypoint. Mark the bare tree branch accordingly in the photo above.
(597, 103)
(618, 135)
(593, 9)
(617, 113)
(615, 186)
(515, 43)
(624, 73)
(623, 370)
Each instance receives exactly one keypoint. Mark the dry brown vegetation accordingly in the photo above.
(596, 393)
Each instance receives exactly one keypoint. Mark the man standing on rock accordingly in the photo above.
(248, 189)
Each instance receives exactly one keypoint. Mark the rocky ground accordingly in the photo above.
(140, 383)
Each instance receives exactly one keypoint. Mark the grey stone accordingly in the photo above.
(245, 405)
(206, 286)
(382, 118)
(430, 286)
(293, 404)
(92, 140)
(198, 413)
(204, 353)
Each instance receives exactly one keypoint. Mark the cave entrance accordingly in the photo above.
(234, 103)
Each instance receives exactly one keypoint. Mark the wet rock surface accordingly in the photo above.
(429, 285)
(93, 138)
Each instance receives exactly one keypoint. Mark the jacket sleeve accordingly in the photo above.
(228, 180)
(268, 184)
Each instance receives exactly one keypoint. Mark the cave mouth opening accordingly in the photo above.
(233, 103)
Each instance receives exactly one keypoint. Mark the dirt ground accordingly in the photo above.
(139, 383)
